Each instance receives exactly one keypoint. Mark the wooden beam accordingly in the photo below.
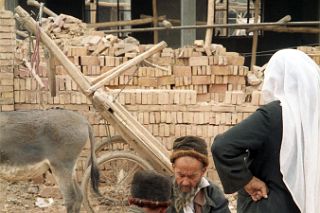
(115, 72)
(312, 30)
(156, 66)
(124, 23)
(210, 21)
(188, 17)
(231, 26)
(34, 74)
(173, 21)
(22, 34)
(51, 73)
(45, 9)
(93, 12)
(134, 132)
(283, 20)
(110, 4)
(2, 5)
(155, 21)
(255, 34)
(142, 139)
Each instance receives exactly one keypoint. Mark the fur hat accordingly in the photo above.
(150, 189)
(190, 146)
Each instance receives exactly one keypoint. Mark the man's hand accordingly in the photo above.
(257, 189)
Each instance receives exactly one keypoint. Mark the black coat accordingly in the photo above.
(251, 148)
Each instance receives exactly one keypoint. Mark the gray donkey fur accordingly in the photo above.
(31, 142)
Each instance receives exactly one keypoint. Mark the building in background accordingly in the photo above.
(188, 12)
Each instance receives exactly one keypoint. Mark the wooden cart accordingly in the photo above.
(149, 152)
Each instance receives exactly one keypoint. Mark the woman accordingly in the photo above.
(272, 158)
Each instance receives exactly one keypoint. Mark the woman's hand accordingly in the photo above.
(257, 189)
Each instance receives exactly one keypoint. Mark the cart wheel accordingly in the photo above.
(116, 172)
(107, 143)
(106, 146)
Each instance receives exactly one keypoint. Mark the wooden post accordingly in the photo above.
(188, 17)
(51, 73)
(255, 34)
(210, 21)
(155, 21)
(93, 11)
(2, 5)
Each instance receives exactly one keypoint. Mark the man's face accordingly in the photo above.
(188, 172)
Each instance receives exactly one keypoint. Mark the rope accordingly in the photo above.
(129, 79)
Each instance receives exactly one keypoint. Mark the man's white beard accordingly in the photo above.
(182, 198)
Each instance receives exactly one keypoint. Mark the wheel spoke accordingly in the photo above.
(116, 172)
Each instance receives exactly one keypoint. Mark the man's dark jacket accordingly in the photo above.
(210, 200)
(252, 148)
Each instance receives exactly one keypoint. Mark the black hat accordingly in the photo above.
(190, 146)
(150, 189)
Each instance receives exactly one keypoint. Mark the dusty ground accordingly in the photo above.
(16, 197)
(21, 197)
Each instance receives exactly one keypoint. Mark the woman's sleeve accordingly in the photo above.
(230, 149)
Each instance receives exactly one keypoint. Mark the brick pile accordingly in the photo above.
(210, 73)
(7, 50)
(186, 91)
(313, 52)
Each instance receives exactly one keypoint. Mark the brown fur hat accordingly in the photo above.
(190, 146)
(150, 189)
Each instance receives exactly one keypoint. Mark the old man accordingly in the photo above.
(191, 191)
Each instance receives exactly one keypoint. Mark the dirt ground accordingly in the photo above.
(18, 197)
(21, 197)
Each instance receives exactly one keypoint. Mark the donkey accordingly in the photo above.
(32, 142)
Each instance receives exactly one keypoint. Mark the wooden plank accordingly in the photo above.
(130, 127)
(210, 19)
(115, 72)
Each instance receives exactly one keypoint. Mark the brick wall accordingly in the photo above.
(7, 50)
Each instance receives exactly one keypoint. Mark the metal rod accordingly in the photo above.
(236, 26)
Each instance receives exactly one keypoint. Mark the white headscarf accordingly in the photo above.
(294, 78)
